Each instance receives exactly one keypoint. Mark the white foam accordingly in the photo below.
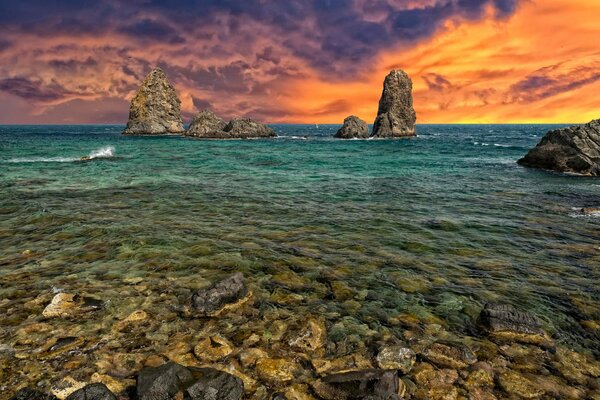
(103, 152)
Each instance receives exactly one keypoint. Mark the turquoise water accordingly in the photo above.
(429, 228)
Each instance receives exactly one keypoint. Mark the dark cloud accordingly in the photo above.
(147, 29)
(201, 104)
(551, 81)
(34, 90)
(437, 82)
(73, 65)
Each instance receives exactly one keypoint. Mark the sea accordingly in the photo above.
(363, 233)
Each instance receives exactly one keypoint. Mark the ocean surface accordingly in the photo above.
(362, 232)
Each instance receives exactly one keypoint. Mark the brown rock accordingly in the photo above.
(353, 128)
(396, 116)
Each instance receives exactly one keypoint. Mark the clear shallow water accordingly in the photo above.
(430, 228)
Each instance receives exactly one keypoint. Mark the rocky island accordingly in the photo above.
(207, 125)
(155, 109)
(353, 127)
(575, 149)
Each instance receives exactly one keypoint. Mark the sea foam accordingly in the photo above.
(103, 152)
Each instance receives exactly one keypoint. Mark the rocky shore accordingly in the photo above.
(205, 348)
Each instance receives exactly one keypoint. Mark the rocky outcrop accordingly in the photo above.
(155, 109)
(396, 116)
(211, 301)
(206, 125)
(353, 128)
(503, 322)
(575, 149)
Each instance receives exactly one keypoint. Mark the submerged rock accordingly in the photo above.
(450, 355)
(171, 380)
(31, 394)
(574, 149)
(505, 323)
(276, 370)
(206, 125)
(353, 127)
(396, 357)
(396, 116)
(69, 305)
(245, 128)
(213, 348)
(155, 109)
(367, 384)
(93, 391)
(211, 301)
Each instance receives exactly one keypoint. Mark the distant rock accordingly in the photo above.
(246, 128)
(396, 116)
(211, 301)
(575, 149)
(206, 125)
(353, 128)
(504, 323)
(155, 109)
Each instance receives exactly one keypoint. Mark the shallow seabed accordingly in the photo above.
(387, 240)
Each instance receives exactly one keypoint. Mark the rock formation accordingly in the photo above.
(396, 116)
(207, 125)
(353, 127)
(575, 149)
(155, 109)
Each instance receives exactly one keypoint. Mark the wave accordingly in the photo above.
(103, 152)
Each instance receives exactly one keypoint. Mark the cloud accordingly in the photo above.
(33, 89)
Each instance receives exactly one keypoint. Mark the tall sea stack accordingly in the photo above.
(155, 109)
(396, 116)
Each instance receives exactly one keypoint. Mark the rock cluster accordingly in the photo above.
(207, 125)
(575, 149)
(396, 116)
(155, 108)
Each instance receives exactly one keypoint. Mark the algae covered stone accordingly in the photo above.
(503, 322)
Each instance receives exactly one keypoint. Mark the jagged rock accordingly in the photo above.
(353, 127)
(450, 355)
(93, 391)
(245, 128)
(396, 116)
(367, 384)
(171, 380)
(505, 323)
(211, 301)
(207, 125)
(575, 149)
(155, 109)
(396, 357)
(31, 394)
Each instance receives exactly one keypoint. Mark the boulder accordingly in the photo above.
(244, 128)
(369, 384)
(353, 128)
(211, 301)
(31, 394)
(171, 380)
(207, 125)
(503, 322)
(575, 149)
(396, 116)
(93, 391)
(155, 108)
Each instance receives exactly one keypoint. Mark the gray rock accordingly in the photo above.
(396, 116)
(207, 125)
(209, 301)
(31, 394)
(155, 109)
(575, 149)
(245, 128)
(93, 391)
(353, 128)
(370, 384)
(171, 381)
(505, 323)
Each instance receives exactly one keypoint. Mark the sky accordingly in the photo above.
(311, 61)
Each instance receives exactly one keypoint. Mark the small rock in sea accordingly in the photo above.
(372, 384)
(248, 128)
(396, 357)
(93, 391)
(276, 370)
(503, 322)
(57, 346)
(575, 149)
(455, 356)
(220, 296)
(206, 125)
(310, 338)
(213, 348)
(396, 116)
(155, 109)
(353, 127)
(63, 388)
(31, 394)
(69, 305)
(351, 362)
(172, 380)
(518, 385)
